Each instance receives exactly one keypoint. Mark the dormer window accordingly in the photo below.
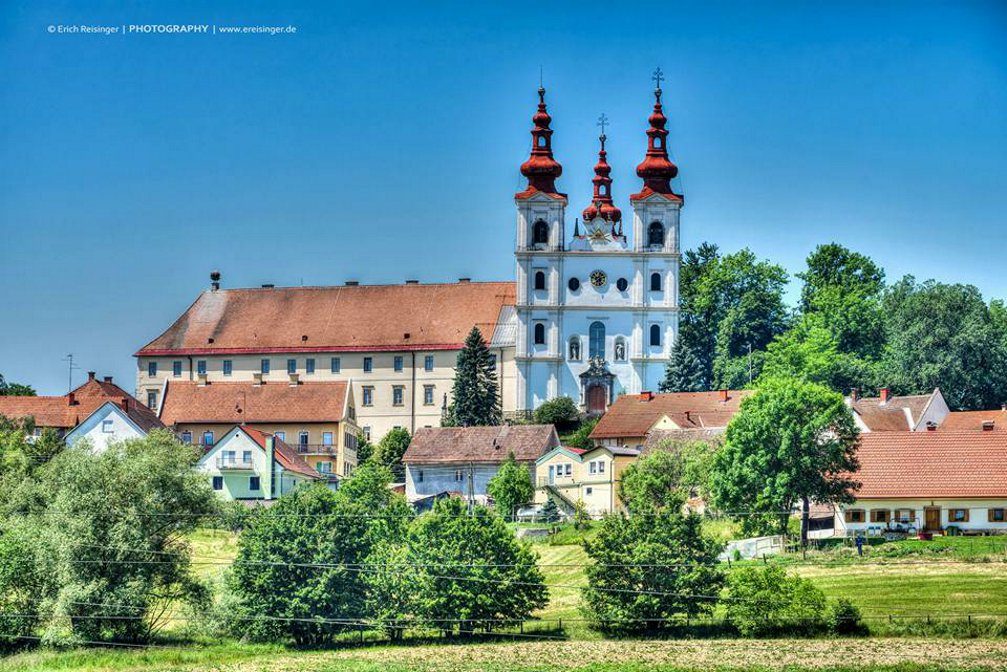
(540, 233)
(655, 234)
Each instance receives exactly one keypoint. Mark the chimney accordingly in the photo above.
(723, 396)
(352, 283)
(214, 280)
(854, 394)
(987, 425)
(108, 379)
(125, 404)
(268, 285)
(412, 282)
(931, 426)
(71, 399)
(90, 375)
(885, 395)
(646, 396)
(464, 279)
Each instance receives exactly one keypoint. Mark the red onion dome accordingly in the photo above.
(601, 203)
(657, 170)
(541, 168)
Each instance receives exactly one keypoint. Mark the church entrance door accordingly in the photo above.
(596, 398)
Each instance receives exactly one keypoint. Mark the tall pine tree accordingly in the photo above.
(476, 400)
(684, 373)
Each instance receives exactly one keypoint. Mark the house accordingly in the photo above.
(995, 420)
(316, 418)
(248, 464)
(929, 481)
(464, 459)
(110, 422)
(686, 415)
(891, 413)
(569, 476)
(395, 345)
(64, 413)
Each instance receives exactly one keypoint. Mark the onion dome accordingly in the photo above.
(601, 204)
(541, 168)
(657, 170)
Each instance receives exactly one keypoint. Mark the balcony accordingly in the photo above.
(234, 464)
(316, 449)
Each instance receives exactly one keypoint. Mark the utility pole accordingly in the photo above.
(472, 489)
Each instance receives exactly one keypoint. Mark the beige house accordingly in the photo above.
(398, 344)
(317, 419)
(570, 476)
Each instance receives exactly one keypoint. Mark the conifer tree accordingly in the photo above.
(476, 401)
(684, 373)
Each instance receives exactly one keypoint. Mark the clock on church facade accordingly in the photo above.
(595, 341)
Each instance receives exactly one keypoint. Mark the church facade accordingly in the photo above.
(597, 311)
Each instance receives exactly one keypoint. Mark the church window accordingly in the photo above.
(575, 348)
(620, 349)
(539, 280)
(539, 333)
(655, 234)
(574, 284)
(540, 233)
(622, 284)
(596, 336)
(655, 335)
(655, 282)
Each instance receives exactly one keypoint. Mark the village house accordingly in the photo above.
(641, 421)
(396, 345)
(247, 464)
(317, 419)
(930, 481)
(462, 460)
(103, 412)
(572, 476)
(891, 413)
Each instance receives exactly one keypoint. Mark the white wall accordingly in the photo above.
(101, 435)
(977, 513)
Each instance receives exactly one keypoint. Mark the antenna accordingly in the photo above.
(70, 369)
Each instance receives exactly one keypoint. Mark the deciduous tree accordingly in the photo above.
(511, 487)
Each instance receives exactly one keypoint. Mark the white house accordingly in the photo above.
(929, 481)
(462, 460)
(114, 422)
(247, 464)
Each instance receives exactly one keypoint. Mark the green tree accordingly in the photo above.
(365, 449)
(685, 372)
(582, 437)
(297, 562)
(648, 571)
(652, 482)
(471, 570)
(550, 512)
(15, 389)
(511, 487)
(944, 336)
(561, 411)
(791, 442)
(764, 601)
(475, 392)
(389, 513)
(391, 448)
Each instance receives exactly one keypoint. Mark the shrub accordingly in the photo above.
(510, 487)
(236, 516)
(766, 601)
(582, 437)
(550, 512)
(561, 411)
(652, 482)
(845, 618)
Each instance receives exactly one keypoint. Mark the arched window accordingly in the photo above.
(596, 340)
(655, 234)
(541, 141)
(539, 333)
(539, 280)
(655, 282)
(655, 335)
(574, 348)
(540, 233)
(620, 349)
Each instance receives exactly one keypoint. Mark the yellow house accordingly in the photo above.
(571, 475)
(317, 419)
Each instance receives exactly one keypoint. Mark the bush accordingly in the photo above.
(650, 572)
(766, 601)
(561, 411)
(236, 516)
(582, 437)
(550, 512)
(845, 618)
(510, 487)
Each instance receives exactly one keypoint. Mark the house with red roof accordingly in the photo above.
(888, 412)
(248, 465)
(929, 481)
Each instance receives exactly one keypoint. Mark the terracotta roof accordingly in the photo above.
(285, 456)
(244, 401)
(634, 414)
(334, 319)
(932, 464)
(432, 445)
(974, 420)
(60, 413)
(891, 416)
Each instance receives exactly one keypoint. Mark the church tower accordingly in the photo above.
(597, 315)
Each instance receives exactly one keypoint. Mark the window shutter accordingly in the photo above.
(912, 515)
(848, 516)
(989, 515)
(966, 519)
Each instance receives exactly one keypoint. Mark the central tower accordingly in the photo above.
(597, 314)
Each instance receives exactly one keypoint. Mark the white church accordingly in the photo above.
(597, 310)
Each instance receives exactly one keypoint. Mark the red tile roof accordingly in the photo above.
(963, 464)
(633, 415)
(239, 402)
(433, 445)
(891, 416)
(334, 319)
(60, 413)
(974, 420)
(286, 456)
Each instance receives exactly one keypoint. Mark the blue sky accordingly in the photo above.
(382, 141)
